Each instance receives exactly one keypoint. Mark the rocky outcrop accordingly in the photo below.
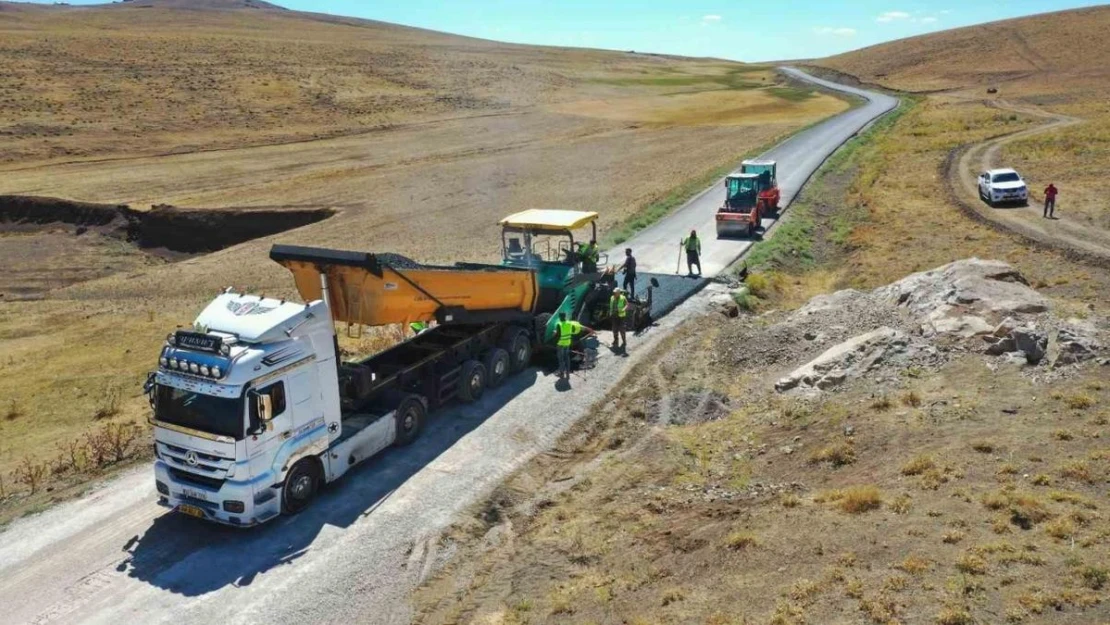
(849, 359)
(1076, 342)
(965, 297)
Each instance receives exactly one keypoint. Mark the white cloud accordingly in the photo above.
(891, 16)
(839, 32)
(928, 20)
(711, 18)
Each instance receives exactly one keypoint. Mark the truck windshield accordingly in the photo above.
(1010, 177)
(213, 415)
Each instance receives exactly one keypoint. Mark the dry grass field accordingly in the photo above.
(1053, 62)
(420, 141)
(957, 496)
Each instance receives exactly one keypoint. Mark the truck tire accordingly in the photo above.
(518, 345)
(409, 418)
(499, 365)
(472, 381)
(541, 322)
(300, 486)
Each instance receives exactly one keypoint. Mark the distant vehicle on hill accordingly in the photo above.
(997, 186)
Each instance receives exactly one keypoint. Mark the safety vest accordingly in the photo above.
(567, 330)
(693, 245)
(418, 326)
(619, 303)
(590, 253)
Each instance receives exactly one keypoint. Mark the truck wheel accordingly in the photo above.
(541, 322)
(751, 229)
(409, 418)
(518, 346)
(498, 366)
(472, 381)
(300, 486)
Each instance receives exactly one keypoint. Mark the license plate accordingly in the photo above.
(191, 511)
(195, 494)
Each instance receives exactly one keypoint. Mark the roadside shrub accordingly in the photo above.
(882, 403)
(914, 565)
(1061, 529)
(759, 284)
(901, 504)
(954, 616)
(952, 537)
(31, 474)
(109, 403)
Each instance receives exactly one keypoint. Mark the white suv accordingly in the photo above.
(1002, 185)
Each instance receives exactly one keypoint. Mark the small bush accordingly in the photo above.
(738, 541)
(954, 616)
(30, 474)
(1007, 469)
(759, 284)
(1042, 480)
(1062, 435)
(1079, 401)
(901, 504)
(952, 537)
(971, 564)
(915, 565)
(1061, 529)
(1077, 471)
(919, 465)
(995, 501)
(1000, 526)
(860, 499)
(983, 447)
(882, 403)
(1094, 577)
(109, 403)
(1026, 511)
(790, 501)
(838, 454)
(911, 399)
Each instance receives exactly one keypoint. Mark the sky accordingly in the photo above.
(743, 30)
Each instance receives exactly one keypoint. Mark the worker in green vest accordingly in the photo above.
(589, 255)
(418, 326)
(692, 245)
(565, 332)
(618, 312)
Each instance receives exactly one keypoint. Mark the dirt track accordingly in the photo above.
(1028, 221)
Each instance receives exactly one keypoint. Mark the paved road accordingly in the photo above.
(114, 557)
(656, 249)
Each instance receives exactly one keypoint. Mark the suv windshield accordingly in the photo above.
(214, 415)
(1010, 177)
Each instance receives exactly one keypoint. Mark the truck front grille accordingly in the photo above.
(197, 480)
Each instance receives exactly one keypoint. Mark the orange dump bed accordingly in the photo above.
(383, 289)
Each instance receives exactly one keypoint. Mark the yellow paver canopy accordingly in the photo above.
(545, 219)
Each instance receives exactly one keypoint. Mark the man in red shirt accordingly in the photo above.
(1050, 201)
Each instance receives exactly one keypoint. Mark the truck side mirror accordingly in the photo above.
(655, 283)
(261, 412)
(149, 386)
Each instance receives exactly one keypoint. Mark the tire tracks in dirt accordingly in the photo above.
(1074, 241)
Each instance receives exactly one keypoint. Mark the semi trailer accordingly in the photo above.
(253, 409)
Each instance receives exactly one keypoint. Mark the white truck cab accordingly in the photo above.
(247, 415)
(1002, 185)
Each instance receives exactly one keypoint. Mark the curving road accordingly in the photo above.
(115, 557)
(657, 249)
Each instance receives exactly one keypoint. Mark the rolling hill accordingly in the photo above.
(1041, 52)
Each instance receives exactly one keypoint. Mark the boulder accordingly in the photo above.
(1001, 346)
(965, 326)
(979, 287)
(849, 359)
(1075, 343)
(724, 304)
(829, 302)
(1031, 342)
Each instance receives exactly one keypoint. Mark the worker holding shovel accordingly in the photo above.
(692, 245)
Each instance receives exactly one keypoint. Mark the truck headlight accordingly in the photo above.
(163, 361)
(204, 370)
(216, 372)
(193, 367)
